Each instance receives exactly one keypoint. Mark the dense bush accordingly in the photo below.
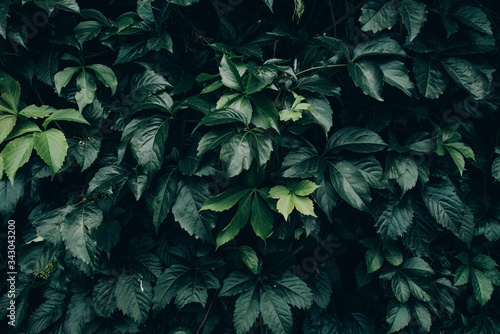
(235, 166)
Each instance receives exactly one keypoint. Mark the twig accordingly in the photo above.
(206, 315)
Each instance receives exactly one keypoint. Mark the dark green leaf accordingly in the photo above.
(431, 80)
(355, 139)
(413, 14)
(467, 76)
(133, 296)
(368, 76)
(350, 185)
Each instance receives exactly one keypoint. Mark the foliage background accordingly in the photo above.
(239, 166)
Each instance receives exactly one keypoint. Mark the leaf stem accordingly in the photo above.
(320, 67)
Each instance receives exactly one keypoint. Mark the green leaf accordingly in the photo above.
(52, 147)
(148, 144)
(481, 285)
(261, 218)
(35, 112)
(85, 151)
(164, 191)
(417, 267)
(103, 297)
(249, 257)
(395, 219)
(304, 205)
(160, 42)
(246, 310)
(106, 76)
(462, 275)
(278, 314)
(431, 81)
(444, 205)
(294, 291)
(86, 30)
(404, 170)
(398, 316)
(86, 90)
(483, 262)
(133, 296)
(225, 200)
(396, 75)
(21, 128)
(316, 84)
(269, 3)
(380, 46)
(350, 185)
(71, 115)
(285, 200)
(10, 91)
(377, 15)
(167, 286)
(76, 231)
(239, 220)
(230, 75)
(400, 288)
(302, 162)
(475, 18)
(62, 78)
(107, 177)
(413, 14)
(355, 139)
(325, 196)
(423, 317)
(467, 76)
(4, 10)
(495, 169)
(302, 188)
(265, 114)
(374, 259)
(131, 51)
(189, 199)
(15, 154)
(368, 76)
(7, 123)
(393, 255)
(236, 155)
(418, 291)
(183, 2)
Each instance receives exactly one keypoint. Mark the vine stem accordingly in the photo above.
(206, 315)
(320, 67)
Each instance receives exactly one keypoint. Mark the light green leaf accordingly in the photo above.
(22, 127)
(431, 80)
(302, 188)
(377, 15)
(35, 112)
(350, 185)
(467, 76)
(105, 75)
(86, 90)
(249, 257)
(52, 147)
(237, 223)
(71, 115)
(62, 78)
(10, 91)
(368, 76)
(15, 154)
(7, 123)
(413, 14)
(225, 200)
(396, 75)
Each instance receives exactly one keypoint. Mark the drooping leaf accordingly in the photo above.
(239, 220)
(164, 192)
(431, 81)
(249, 257)
(398, 316)
(236, 154)
(15, 154)
(86, 90)
(62, 78)
(467, 76)
(106, 76)
(225, 200)
(396, 75)
(7, 123)
(87, 30)
(261, 218)
(70, 115)
(413, 14)
(230, 75)
(481, 284)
